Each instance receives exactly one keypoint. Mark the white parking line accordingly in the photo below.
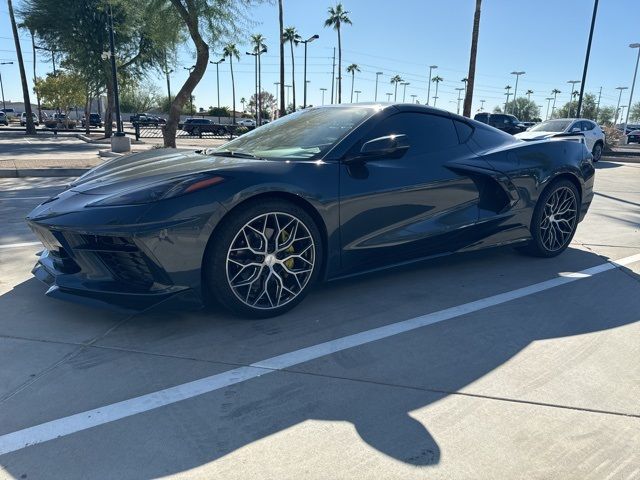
(19, 245)
(20, 439)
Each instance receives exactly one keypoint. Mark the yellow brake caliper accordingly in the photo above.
(284, 236)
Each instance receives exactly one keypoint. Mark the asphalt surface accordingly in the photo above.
(483, 365)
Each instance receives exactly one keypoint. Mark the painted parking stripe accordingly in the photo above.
(20, 439)
(19, 245)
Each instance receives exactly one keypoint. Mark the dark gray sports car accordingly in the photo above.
(320, 194)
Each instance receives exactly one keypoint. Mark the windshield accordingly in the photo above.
(307, 134)
(551, 126)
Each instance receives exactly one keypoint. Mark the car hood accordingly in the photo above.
(134, 171)
(534, 135)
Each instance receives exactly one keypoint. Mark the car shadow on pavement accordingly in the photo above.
(375, 387)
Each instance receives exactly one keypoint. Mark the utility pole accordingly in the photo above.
(515, 90)
(309, 40)
(323, 90)
(573, 88)
(618, 106)
(586, 58)
(375, 98)
(482, 105)
(460, 90)
(333, 74)
(507, 101)
(217, 64)
(598, 105)
(431, 68)
(357, 92)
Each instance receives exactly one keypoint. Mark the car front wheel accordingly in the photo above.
(263, 259)
(597, 152)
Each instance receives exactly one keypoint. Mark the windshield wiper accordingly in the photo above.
(235, 153)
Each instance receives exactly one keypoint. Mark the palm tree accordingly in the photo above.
(471, 76)
(243, 101)
(337, 17)
(555, 93)
(30, 127)
(437, 79)
(506, 103)
(396, 80)
(281, 21)
(231, 50)
(259, 47)
(529, 93)
(292, 36)
(352, 69)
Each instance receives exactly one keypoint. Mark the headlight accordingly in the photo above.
(159, 191)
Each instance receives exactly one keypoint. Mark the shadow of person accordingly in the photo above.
(374, 387)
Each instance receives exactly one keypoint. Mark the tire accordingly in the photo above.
(548, 238)
(256, 272)
(195, 131)
(597, 152)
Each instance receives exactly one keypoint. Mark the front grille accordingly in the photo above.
(130, 268)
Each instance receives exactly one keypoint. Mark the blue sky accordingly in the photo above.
(545, 38)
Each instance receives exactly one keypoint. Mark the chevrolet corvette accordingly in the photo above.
(323, 193)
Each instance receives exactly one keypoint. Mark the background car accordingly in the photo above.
(593, 135)
(10, 112)
(634, 136)
(146, 119)
(319, 194)
(3, 119)
(95, 120)
(246, 122)
(501, 121)
(198, 126)
(23, 119)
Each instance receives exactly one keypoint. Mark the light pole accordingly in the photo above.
(622, 107)
(277, 84)
(508, 93)
(309, 40)
(375, 98)
(431, 68)
(586, 58)
(255, 78)
(633, 84)
(548, 105)
(4, 105)
(618, 106)
(404, 90)
(323, 90)
(460, 90)
(357, 92)
(573, 88)
(388, 94)
(515, 90)
(114, 74)
(190, 69)
(413, 98)
(288, 87)
(482, 105)
(217, 64)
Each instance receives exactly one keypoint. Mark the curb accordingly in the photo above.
(621, 158)
(42, 172)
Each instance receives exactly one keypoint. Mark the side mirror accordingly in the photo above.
(391, 146)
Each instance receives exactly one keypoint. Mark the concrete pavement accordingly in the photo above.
(540, 386)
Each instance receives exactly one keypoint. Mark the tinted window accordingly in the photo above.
(464, 130)
(586, 126)
(487, 138)
(426, 133)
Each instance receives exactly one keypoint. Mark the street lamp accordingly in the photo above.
(633, 84)
(277, 84)
(515, 90)
(573, 88)
(548, 99)
(460, 90)
(323, 90)
(304, 95)
(190, 69)
(288, 87)
(618, 106)
(375, 98)
(431, 68)
(482, 105)
(4, 105)
(404, 90)
(388, 94)
(217, 64)
(413, 98)
(508, 93)
(357, 92)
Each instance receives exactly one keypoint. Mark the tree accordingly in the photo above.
(524, 109)
(634, 113)
(605, 115)
(231, 50)
(66, 90)
(266, 101)
(136, 98)
(529, 93)
(31, 128)
(291, 35)
(471, 76)
(282, 40)
(352, 69)
(337, 17)
(243, 101)
(259, 47)
(437, 79)
(396, 79)
(218, 112)
(589, 106)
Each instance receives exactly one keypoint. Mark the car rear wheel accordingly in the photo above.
(263, 259)
(597, 152)
(554, 221)
(195, 131)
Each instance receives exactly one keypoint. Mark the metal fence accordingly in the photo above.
(227, 132)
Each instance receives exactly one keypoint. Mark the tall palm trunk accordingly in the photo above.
(339, 65)
(283, 108)
(233, 89)
(31, 129)
(293, 77)
(471, 77)
(353, 77)
(395, 92)
(435, 99)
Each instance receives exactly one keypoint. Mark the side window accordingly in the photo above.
(587, 126)
(464, 130)
(575, 125)
(425, 132)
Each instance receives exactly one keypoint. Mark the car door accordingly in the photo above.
(589, 132)
(394, 209)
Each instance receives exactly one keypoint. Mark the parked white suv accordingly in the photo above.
(23, 119)
(593, 134)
